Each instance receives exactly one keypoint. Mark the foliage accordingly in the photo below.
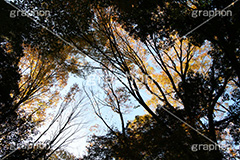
(147, 139)
(179, 80)
(62, 154)
(192, 81)
(32, 73)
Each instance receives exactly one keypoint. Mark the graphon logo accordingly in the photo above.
(211, 13)
(29, 146)
(206, 147)
(23, 13)
(95, 79)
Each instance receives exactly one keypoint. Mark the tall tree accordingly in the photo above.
(179, 79)
(195, 93)
(32, 61)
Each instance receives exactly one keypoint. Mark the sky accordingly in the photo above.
(93, 124)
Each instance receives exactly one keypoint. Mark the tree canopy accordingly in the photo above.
(182, 70)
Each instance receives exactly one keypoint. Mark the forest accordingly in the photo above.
(119, 79)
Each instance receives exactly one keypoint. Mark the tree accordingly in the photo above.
(146, 139)
(62, 154)
(194, 93)
(65, 124)
(164, 17)
(26, 77)
(193, 90)
(12, 34)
